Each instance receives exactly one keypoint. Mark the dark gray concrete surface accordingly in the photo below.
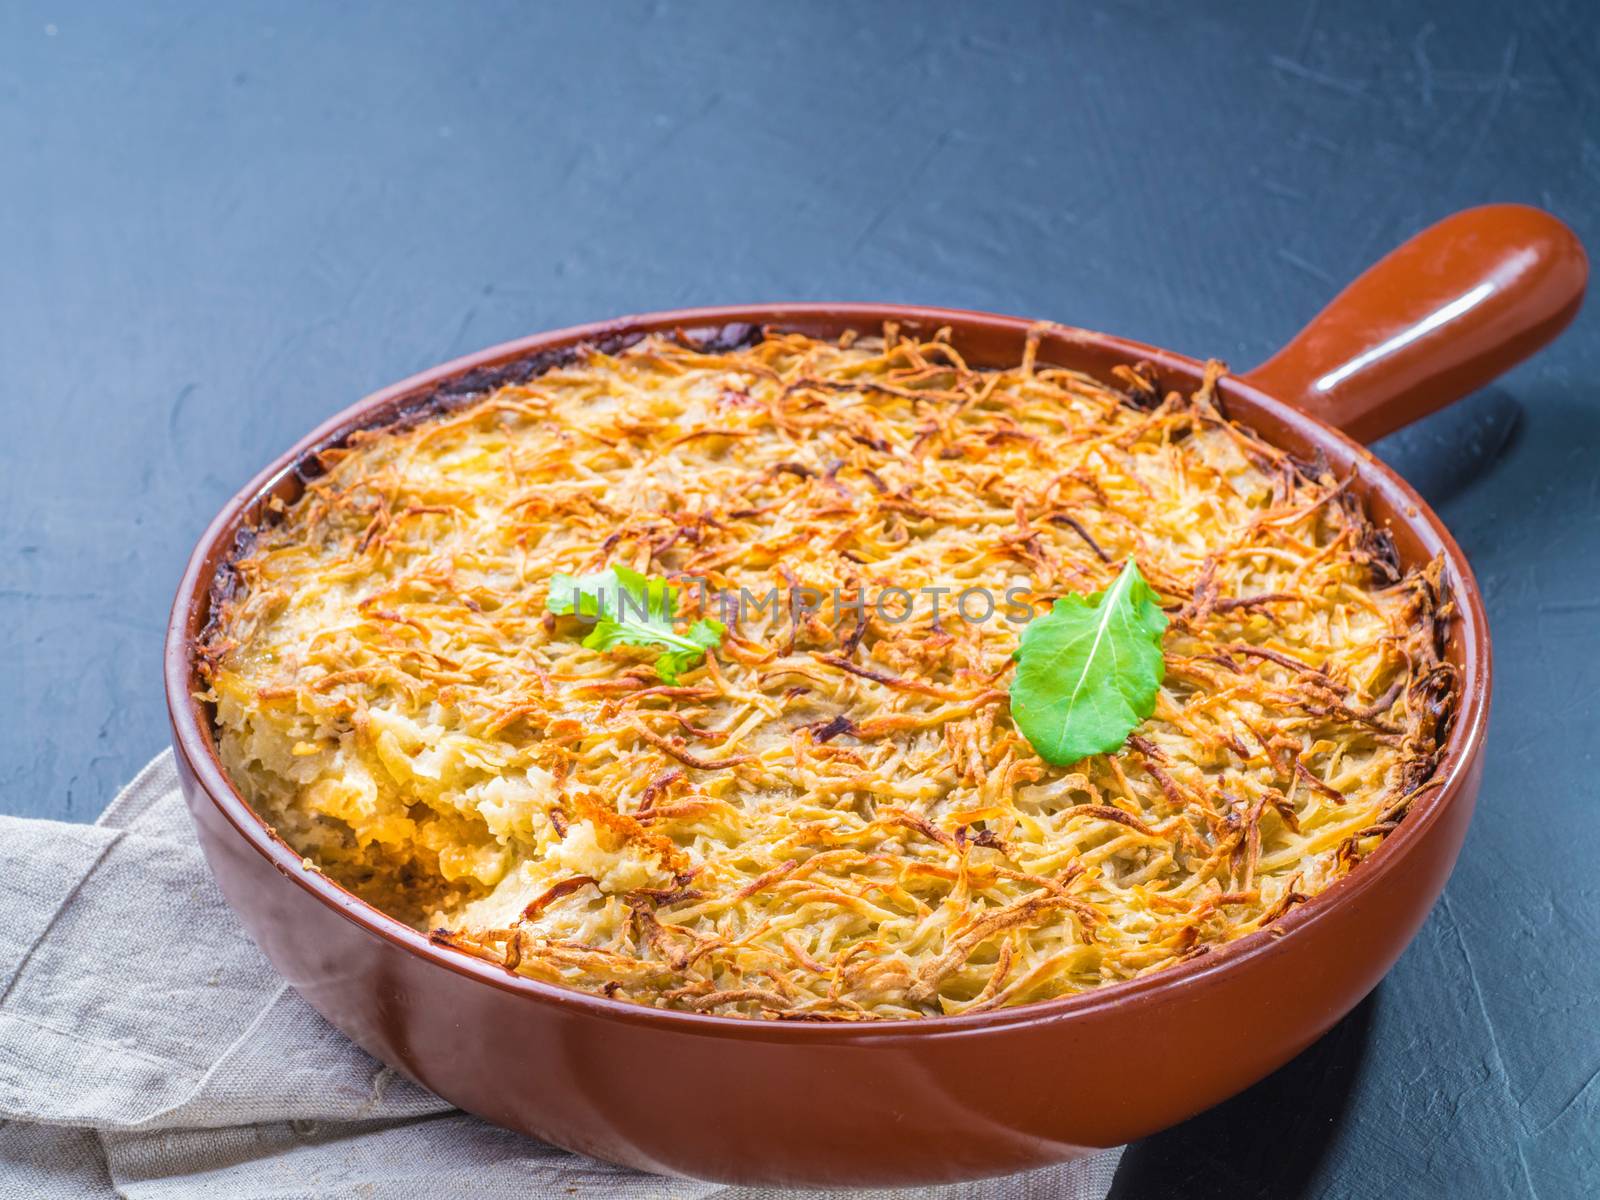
(219, 223)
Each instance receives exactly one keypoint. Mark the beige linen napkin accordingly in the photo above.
(148, 1050)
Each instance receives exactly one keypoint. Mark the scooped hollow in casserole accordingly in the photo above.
(779, 768)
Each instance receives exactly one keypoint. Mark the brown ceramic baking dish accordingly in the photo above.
(949, 1098)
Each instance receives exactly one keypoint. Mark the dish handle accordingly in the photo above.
(1459, 304)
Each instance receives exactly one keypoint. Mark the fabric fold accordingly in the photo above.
(149, 1050)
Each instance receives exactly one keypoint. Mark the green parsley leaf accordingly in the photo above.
(1089, 669)
(630, 609)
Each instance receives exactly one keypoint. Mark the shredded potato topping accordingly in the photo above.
(832, 816)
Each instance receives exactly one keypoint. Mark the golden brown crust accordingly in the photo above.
(833, 816)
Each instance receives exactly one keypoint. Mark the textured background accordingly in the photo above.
(216, 229)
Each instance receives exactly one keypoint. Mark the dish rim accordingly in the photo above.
(194, 741)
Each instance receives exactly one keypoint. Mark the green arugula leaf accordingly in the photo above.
(630, 609)
(1089, 669)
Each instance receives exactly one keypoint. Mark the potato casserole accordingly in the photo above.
(829, 813)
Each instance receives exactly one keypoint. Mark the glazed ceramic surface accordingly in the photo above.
(938, 1099)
